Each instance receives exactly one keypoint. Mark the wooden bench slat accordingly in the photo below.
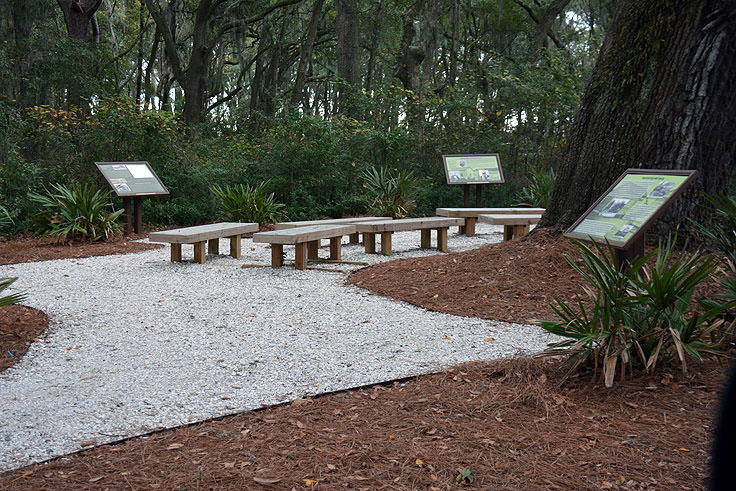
(475, 212)
(328, 221)
(511, 219)
(407, 224)
(190, 235)
(303, 234)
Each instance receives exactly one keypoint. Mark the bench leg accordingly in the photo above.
(213, 246)
(369, 240)
(442, 239)
(426, 238)
(313, 249)
(519, 231)
(235, 246)
(300, 262)
(470, 226)
(386, 243)
(336, 248)
(354, 238)
(277, 255)
(199, 255)
(175, 253)
(461, 230)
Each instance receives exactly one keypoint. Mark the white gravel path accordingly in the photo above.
(137, 343)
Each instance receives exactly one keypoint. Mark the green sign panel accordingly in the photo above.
(626, 210)
(473, 169)
(132, 178)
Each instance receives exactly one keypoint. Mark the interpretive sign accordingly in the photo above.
(473, 169)
(132, 178)
(629, 206)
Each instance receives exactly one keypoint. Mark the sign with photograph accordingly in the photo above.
(626, 210)
(473, 169)
(132, 178)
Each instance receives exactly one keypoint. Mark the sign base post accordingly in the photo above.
(635, 250)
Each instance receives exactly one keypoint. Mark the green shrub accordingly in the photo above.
(640, 314)
(13, 298)
(393, 192)
(249, 204)
(538, 188)
(79, 213)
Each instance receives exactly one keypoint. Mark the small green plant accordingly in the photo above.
(77, 213)
(465, 476)
(13, 298)
(722, 234)
(392, 192)
(249, 204)
(640, 314)
(5, 218)
(538, 188)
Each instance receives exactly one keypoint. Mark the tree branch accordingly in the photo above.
(236, 23)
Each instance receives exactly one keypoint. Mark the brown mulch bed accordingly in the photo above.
(509, 420)
(512, 281)
(32, 249)
(19, 326)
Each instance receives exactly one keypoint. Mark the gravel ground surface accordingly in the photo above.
(137, 343)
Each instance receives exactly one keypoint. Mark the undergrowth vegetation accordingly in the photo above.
(77, 213)
(644, 314)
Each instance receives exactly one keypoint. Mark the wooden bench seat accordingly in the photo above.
(471, 215)
(330, 221)
(198, 235)
(306, 240)
(388, 227)
(513, 225)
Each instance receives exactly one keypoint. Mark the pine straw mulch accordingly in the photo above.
(508, 420)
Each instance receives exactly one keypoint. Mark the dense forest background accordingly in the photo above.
(305, 95)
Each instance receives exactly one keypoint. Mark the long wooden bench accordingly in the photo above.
(306, 240)
(388, 227)
(330, 221)
(513, 225)
(471, 215)
(198, 235)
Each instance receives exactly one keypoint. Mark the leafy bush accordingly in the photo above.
(393, 193)
(538, 188)
(639, 314)
(78, 213)
(13, 298)
(249, 204)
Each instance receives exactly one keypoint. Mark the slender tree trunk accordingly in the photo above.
(305, 53)
(660, 96)
(139, 65)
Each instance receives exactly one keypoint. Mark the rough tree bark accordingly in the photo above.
(77, 15)
(348, 55)
(661, 97)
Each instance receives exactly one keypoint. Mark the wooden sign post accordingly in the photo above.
(467, 169)
(622, 215)
(131, 181)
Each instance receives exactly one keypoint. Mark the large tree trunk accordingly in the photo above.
(348, 55)
(660, 96)
(77, 15)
